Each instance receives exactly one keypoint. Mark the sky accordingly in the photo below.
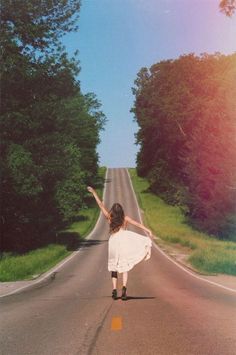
(116, 38)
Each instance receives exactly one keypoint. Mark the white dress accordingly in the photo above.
(126, 249)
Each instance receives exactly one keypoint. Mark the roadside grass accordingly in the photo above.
(206, 253)
(32, 264)
(86, 221)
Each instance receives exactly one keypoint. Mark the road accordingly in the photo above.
(168, 311)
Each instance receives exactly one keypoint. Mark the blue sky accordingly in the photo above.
(116, 38)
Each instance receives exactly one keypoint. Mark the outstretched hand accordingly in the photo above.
(149, 232)
(90, 189)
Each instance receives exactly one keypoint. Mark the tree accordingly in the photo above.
(186, 110)
(164, 117)
(38, 25)
(50, 130)
(228, 7)
(210, 155)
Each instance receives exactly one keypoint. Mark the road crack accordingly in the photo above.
(93, 333)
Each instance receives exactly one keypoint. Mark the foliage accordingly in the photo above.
(23, 171)
(186, 110)
(49, 129)
(70, 194)
(36, 24)
(228, 7)
(34, 263)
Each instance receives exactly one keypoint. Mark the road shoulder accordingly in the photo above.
(180, 254)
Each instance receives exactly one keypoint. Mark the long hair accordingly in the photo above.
(117, 217)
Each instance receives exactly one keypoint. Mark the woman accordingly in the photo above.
(125, 248)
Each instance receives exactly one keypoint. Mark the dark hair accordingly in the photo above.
(117, 217)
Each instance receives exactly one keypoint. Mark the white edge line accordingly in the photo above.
(61, 264)
(168, 257)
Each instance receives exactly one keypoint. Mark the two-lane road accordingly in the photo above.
(168, 311)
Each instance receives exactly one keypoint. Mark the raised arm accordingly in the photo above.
(99, 202)
(137, 224)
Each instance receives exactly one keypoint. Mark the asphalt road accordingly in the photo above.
(168, 311)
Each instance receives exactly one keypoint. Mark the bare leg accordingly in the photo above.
(125, 278)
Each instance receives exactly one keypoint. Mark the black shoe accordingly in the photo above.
(114, 294)
(124, 294)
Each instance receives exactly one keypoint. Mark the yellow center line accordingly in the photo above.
(116, 323)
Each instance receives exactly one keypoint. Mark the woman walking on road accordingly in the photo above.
(125, 248)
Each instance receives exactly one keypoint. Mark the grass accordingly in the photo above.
(206, 253)
(36, 262)
(32, 264)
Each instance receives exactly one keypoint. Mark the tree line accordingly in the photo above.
(186, 112)
(49, 128)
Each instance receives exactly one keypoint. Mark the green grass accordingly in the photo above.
(85, 225)
(207, 254)
(216, 260)
(32, 264)
(36, 262)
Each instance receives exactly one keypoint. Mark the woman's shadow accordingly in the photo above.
(129, 298)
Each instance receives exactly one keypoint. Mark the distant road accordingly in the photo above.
(168, 311)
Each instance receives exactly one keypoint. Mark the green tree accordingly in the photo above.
(38, 25)
(50, 130)
(210, 154)
(185, 109)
